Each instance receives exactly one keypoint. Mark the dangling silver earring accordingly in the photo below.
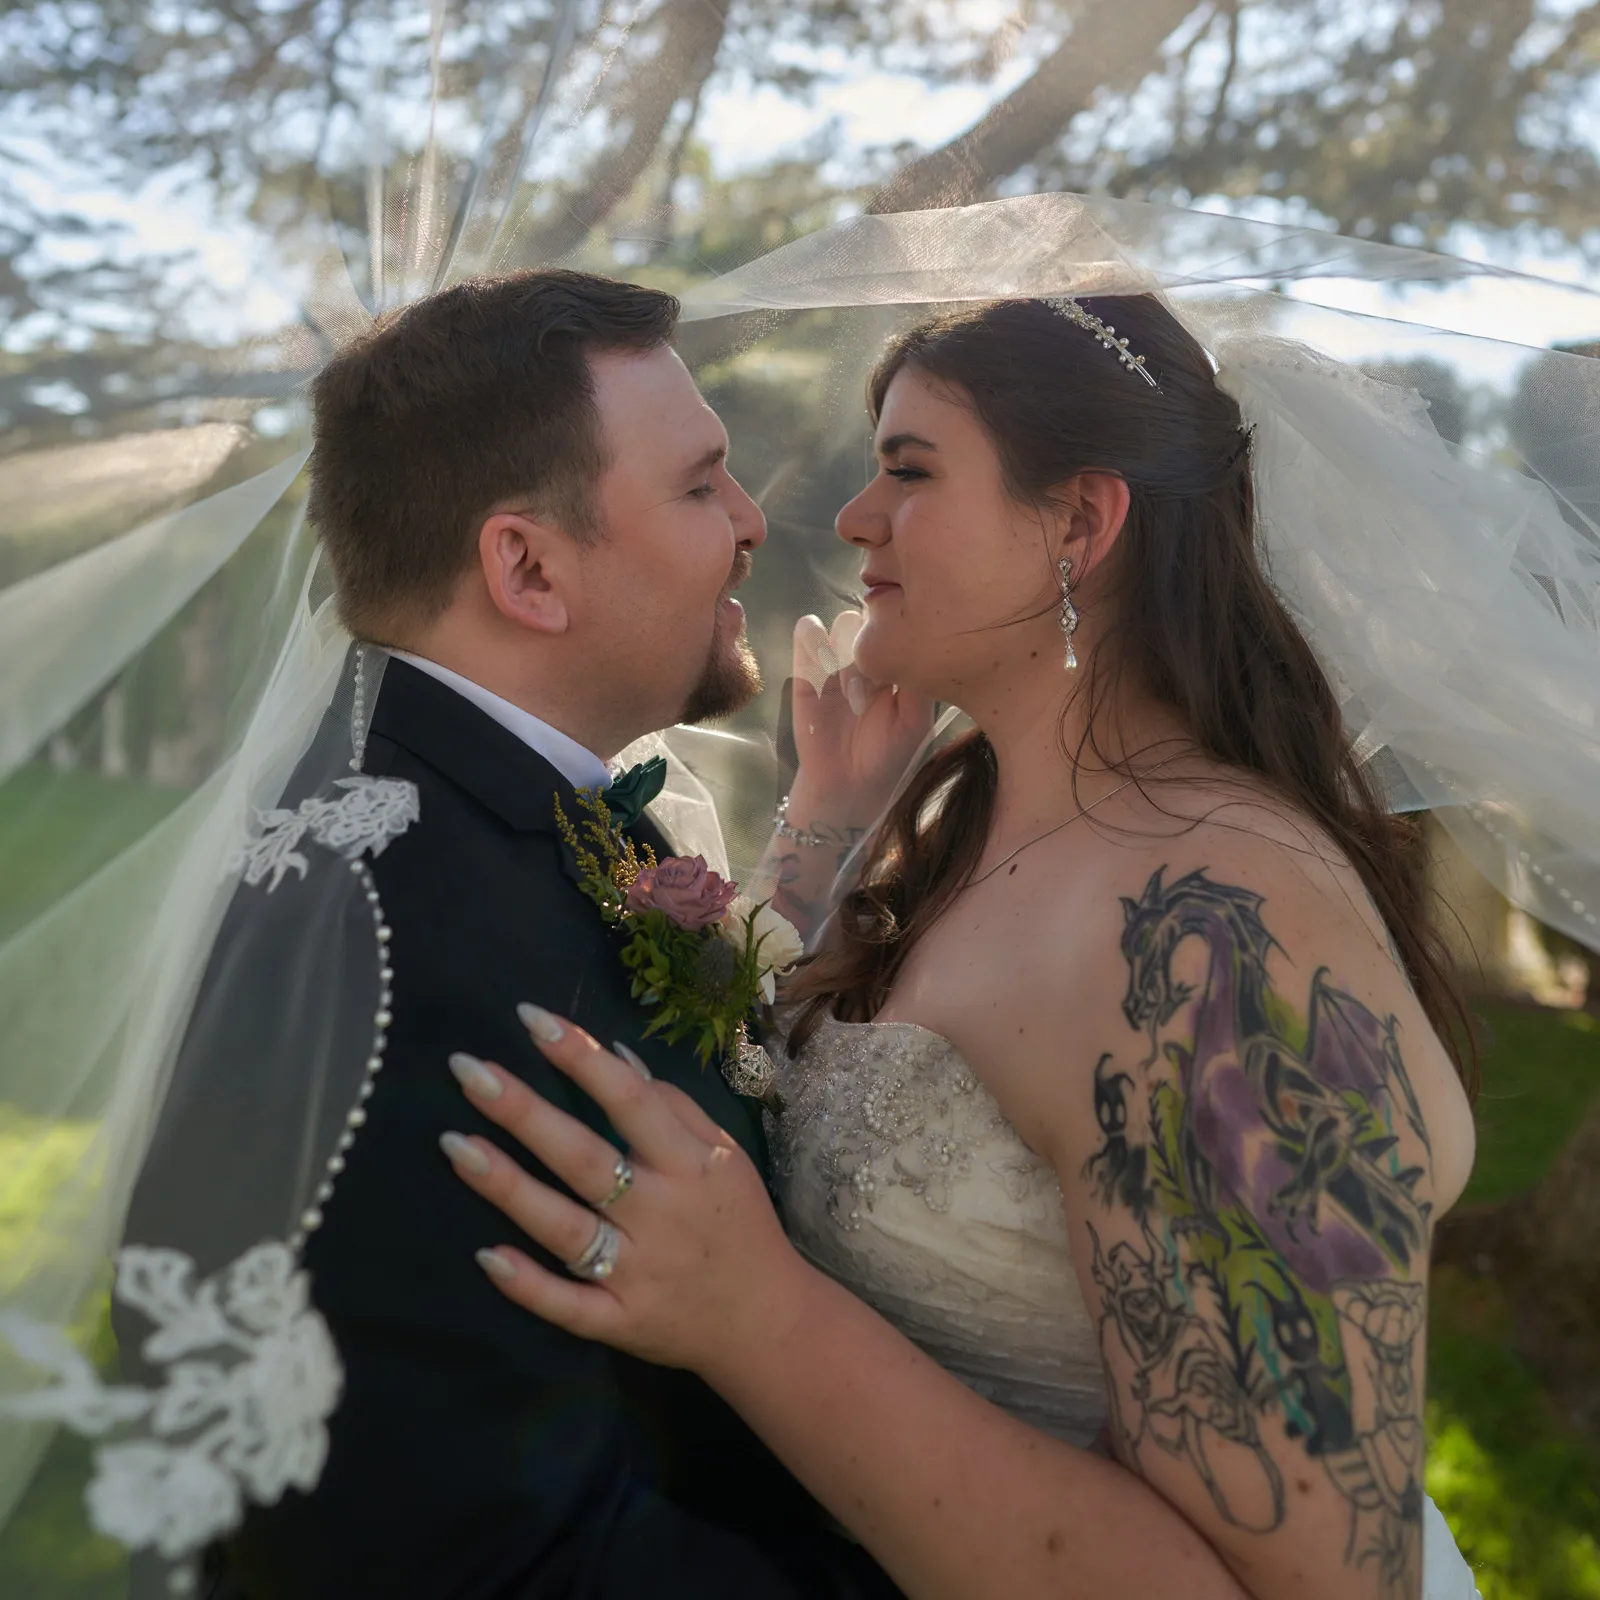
(1068, 617)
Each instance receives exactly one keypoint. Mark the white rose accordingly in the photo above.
(734, 920)
(778, 941)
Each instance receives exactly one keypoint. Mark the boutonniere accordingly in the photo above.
(703, 956)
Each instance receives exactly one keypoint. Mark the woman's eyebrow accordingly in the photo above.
(899, 441)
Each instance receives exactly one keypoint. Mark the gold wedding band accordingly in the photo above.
(622, 1182)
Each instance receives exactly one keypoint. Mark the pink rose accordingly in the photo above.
(685, 889)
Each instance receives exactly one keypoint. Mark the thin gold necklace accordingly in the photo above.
(1028, 844)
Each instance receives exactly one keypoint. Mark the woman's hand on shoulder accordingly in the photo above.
(1248, 1181)
(690, 1267)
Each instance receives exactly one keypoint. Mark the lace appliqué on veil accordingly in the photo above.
(362, 821)
(252, 1376)
(251, 1371)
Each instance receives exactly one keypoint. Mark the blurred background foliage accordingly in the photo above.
(175, 179)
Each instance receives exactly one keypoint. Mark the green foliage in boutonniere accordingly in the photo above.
(701, 954)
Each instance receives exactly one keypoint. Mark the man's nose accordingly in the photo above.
(749, 520)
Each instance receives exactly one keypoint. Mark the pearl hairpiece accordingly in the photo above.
(1064, 305)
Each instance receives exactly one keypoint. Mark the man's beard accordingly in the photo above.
(731, 678)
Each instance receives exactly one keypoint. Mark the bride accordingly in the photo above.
(1120, 1091)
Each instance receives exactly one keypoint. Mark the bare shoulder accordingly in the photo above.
(1239, 1116)
(1275, 879)
(1223, 900)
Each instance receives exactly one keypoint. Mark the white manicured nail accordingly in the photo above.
(620, 1049)
(858, 695)
(810, 638)
(540, 1023)
(464, 1153)
(474, 1076)
(846, 629)
(495, 1265)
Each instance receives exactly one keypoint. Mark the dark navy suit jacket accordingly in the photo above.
(477, 1452)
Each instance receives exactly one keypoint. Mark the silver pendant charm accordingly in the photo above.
(749, 1072)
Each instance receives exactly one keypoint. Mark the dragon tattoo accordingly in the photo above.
(1278, 1228)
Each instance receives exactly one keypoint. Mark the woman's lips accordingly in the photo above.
(878, 591)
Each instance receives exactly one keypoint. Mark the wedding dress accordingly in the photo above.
(899, 1176)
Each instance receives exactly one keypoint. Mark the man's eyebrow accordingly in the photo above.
(706, 462)
(899, 441)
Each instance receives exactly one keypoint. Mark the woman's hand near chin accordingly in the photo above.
(702, 1277)
(855, 739)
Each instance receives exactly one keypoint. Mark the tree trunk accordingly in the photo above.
(1544, 1250)
(691, 36)
(1564, 1215)
(1112, 47)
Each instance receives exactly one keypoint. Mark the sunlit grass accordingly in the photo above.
(47, 1548)
(57, 828)
(1540, 1070)
(39, 1161)
(1518, 1483)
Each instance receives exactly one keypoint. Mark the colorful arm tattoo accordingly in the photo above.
(1269, 1235)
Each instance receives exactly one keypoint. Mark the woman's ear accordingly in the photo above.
(530, 570)
(1096, 506)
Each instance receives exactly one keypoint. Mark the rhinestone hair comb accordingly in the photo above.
(1064, 305)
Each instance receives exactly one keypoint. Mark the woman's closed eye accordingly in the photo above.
(905, 474)
(703, 491)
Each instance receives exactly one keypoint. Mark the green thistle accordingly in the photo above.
(716, 966)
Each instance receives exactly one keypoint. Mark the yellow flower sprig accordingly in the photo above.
(704, 967)
(609, 862)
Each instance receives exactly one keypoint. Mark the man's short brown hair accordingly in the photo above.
(474, 397)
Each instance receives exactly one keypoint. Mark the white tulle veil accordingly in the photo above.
(1450, 585)
(1444, 563)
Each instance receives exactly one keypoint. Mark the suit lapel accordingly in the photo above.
(518, 785)
(475, 753)
(495, 767)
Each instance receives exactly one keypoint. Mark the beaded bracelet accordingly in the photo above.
(806, 838)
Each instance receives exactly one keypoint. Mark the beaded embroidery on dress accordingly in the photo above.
(899, 1176)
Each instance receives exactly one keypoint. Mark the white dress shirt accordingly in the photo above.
(581, 767)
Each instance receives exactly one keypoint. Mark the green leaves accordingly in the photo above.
(703, 985)
(669, 966)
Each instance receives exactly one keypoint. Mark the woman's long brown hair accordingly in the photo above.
(1196, 624)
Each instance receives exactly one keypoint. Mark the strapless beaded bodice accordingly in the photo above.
(899, 1176)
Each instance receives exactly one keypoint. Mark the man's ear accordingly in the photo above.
(530, 569)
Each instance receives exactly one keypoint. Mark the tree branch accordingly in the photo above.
(692, 35)
(1112, 47)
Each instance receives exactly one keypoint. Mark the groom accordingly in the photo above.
(525, 499)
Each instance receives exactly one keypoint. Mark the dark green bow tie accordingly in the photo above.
(630, 793)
